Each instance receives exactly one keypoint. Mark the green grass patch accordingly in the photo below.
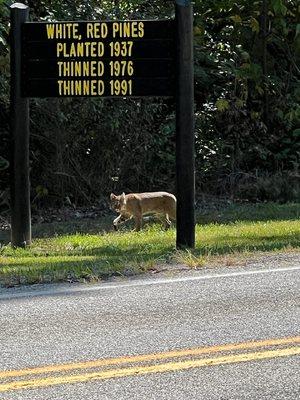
(249, 212)
(69, 256)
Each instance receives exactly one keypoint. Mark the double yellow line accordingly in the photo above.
(148, 363)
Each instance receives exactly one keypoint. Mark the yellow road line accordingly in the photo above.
(149, 357)
(143, 370)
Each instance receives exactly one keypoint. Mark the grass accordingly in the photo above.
(61, 253)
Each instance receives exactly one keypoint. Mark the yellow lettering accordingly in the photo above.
(67, 30)
(126, 29)
(104, 30)
(50, 31)
(60, 64)
(86, 70)
(141, 29)
(60, 83)
(80, 50)
(75, 34)
(115, 28)
(100, 68)
(101, 88)
(80, 68)
(77, 71)
(67, 69)
(81, 87)
(59, 49)
(72, 51)
(66, 88)
(94, 88)
(134, 30)
(87, 46)
(62, 31)
(93, 49)
(59, 32)
(93, 71)
(96, 30)
(89, 30)
(100, 49)
(78, 88)
(86, 88)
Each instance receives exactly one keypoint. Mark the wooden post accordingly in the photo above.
(19, 119)
(264, 39)
(185, 138)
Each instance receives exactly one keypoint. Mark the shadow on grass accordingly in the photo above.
(222, 245)
(102, 263)
(106, 261)
(84, 226)
(225, 215)
(52, 229)
(55, 271)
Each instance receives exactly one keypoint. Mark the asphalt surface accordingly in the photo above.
(53, 325)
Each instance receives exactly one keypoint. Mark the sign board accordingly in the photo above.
(106, 59)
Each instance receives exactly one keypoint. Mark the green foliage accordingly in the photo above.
(236, 136)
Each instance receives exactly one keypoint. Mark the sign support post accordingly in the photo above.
(19, 120)
(185, 146)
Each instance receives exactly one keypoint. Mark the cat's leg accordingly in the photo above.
(120, 220)
(167, 222)
(138, 218)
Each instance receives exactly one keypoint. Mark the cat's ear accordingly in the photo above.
(112, 196)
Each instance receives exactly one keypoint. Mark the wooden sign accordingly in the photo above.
(107, 59)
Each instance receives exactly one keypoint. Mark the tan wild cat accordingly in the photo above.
(135, 205)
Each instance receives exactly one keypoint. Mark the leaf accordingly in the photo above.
(239, 103)
(254, 25)
(279, 7)
(297, 30)
(296, 133)
(41, 191)
(198, 31)
(259, 89)
(245, 56)
(222, 105)
(245, 66)
(280, 114)
(236, 19)
(254, 115)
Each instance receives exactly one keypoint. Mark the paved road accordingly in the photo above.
(215, 334)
